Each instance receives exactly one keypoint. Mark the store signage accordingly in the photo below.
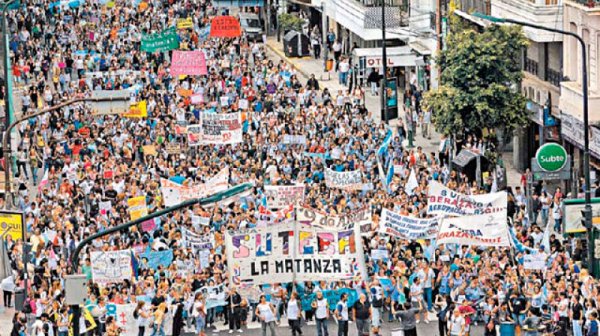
(551, 157)
(571, 129)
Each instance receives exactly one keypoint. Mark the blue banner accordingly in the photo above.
(154, 259)
(332, 296)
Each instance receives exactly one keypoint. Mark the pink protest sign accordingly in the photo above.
(192, 63)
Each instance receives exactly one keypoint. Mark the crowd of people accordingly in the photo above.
(84, 167)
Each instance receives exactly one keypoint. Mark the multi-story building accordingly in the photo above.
(542, 72)
(582, 18)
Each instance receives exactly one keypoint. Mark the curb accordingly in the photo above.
(289, 61)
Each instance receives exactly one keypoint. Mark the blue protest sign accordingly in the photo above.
(153, 259)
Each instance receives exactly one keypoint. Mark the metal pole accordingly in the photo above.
(587, 211)
(238, 189)
(6, 142)
(25, 255)
(384, 59)
(7, 93)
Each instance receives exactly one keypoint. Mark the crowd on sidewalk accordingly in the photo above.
(95, 164)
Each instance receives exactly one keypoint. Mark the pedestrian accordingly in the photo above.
(373, 80)
(341, 314)
(159, 319)
(426, 123)
(141, 315)
(235, 301)
(294, 314)
(407, 316)
(8, 287)
(362, 315)
(266, 313)
(320, 306)
(457, 324)
(344, 69)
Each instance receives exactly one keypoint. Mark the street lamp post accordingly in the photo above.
(587, 211)
(384, 60)
(236, 190)
(6, 58)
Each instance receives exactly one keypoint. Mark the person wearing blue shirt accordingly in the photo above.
(592, 329)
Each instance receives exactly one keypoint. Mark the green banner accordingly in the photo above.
(163, 41)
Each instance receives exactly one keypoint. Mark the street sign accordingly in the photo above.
(551, 157)
(539, 174)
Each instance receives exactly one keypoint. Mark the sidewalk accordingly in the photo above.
(306, 66)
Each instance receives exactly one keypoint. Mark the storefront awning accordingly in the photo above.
(419, 47)
(396, 56)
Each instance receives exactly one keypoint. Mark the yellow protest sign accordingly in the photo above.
(11, 224)
(185, 23)
(137, 207)
(90, 324)
(137, 110)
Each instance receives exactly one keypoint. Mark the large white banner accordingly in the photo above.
(294, 251)
(175, 193)
(405, 227)
(361, 218)
(535, 261)
(479, 230)
(123, 315)
(218, 129)
(112, 266)
(351, 180)
(279, 197)
(447, 202)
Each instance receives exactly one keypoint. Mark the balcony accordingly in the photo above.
(470, 6)
(531, 66)
(363, 17)
(547, 13)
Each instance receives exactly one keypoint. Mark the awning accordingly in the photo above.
(420, 48)
(396, 56)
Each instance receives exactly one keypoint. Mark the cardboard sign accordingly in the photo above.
(108, 174)
(351, 180)
(184, 93)
(173, 148)
(281, 196)
(137, 110)
(111, 266)
(191, 63)
(185, 23)
(225, 27)
(150, 150)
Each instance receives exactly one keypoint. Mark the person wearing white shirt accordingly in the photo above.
(266, 313)
(321, 314)
(294, 314)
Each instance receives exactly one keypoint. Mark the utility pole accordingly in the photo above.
(384, 59)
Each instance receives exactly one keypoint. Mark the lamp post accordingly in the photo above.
(384, 60)
(6, 63)
(587, 211)
(236, 190)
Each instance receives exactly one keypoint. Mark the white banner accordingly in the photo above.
(313, 217)
(281, 196)
(534, 261)
(112, 266)
(447, 202)
(479, 230)
(378, 254)
(123, 315)
(175, 193)
(294, 139)
(293, 251)
(405, 227)
(218, 129)
(351, 180)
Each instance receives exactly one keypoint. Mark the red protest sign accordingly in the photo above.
(225, 26)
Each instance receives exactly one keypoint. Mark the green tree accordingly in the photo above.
(480, 82)
(290, 22)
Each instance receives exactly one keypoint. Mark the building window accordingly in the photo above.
(554, 77)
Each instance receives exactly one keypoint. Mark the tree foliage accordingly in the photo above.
(479, 81)
(289, 21)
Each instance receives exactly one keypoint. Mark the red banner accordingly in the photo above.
(225, 26)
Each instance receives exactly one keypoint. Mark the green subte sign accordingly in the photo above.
(551, 157)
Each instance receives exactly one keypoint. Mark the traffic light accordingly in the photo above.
(586, 218)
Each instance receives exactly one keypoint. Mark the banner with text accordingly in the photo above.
(404, 227)
(351, 180)
(478, 230)
(111, 266)
(225, 27)
(447, 202)
(123, 315)
(164, 41)
(191, 63)
(361, 218)
(279, 197)
(294, 251)
(174, 193)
